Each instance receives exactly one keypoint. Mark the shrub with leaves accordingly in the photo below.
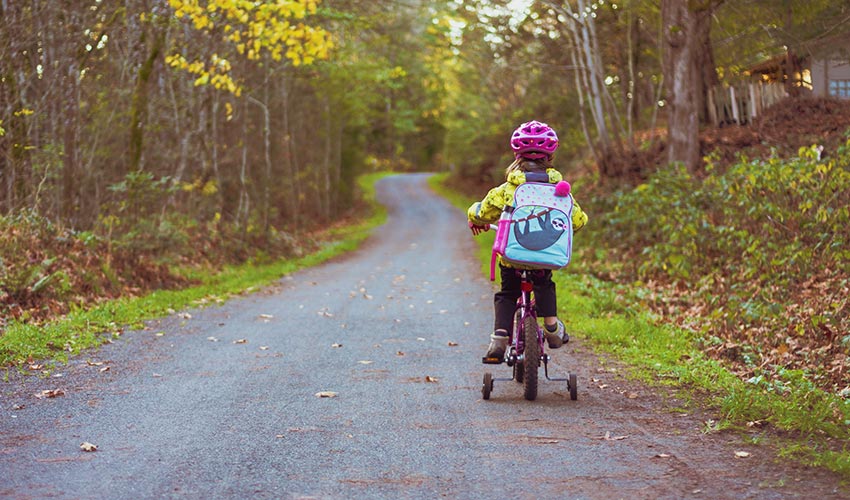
(758, 250)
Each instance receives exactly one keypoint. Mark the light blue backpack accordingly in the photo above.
(537, 230)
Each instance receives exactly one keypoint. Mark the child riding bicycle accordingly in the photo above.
(533, 144)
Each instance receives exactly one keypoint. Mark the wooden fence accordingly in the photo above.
(742, 102)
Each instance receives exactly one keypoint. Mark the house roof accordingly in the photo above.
(771, 65)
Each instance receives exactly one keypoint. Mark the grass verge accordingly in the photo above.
(23, 342)
(814, 425)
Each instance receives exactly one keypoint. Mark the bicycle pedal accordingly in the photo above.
(492, 361)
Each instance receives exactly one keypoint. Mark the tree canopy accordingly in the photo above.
(259, 114)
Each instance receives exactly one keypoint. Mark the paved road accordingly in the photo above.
(221, 402)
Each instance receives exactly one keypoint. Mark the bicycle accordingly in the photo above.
(526, 349)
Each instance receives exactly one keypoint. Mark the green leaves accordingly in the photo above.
(760, 246)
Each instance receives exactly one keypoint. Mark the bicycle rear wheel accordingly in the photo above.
(531, 358)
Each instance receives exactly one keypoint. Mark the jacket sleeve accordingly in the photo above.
(489, 209)
(579, 217)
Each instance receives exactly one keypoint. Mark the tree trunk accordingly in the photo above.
(70, 170)
(139, 107)
(325, 195)
(682, 82)
(705, 63)
(289, 156)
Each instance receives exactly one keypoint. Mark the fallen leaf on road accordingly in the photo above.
(336, 345)
(160, 334)
(632, 395)
(609, 437)
(420, 339)
(266, 316)
(186, 316)
(399, 353)
(662, 455)
(49, 393)
(240, 341)
(452, 344)
(545, 441)
(104, 369)
(156, 375)
(326, 394)
(19, 407)
(365, 362)
(94, 363)
(742, 454)
(264, 348)
(603, 386)
(429, 378)
(86, 446)
(212, 339)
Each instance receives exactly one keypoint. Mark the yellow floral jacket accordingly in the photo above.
(488, 210)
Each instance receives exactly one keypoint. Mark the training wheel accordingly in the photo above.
(487, 386)
(573, 387)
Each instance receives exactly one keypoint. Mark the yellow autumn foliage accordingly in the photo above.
(252, 29)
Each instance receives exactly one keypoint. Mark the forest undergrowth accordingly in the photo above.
(750, 253)
(752, 256)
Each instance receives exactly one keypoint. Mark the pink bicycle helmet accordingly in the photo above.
(534, 140)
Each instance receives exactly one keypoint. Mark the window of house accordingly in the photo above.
(839, 88)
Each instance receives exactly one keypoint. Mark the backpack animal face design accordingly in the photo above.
(537, 231)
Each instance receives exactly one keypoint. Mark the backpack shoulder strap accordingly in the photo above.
(537, 177)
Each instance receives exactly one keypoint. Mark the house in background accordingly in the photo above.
(820, 68)
(831, 78)
(829, 63)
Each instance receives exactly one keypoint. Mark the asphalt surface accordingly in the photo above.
(224, 401)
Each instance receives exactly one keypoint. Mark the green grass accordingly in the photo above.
(815, 424)
(86, 328)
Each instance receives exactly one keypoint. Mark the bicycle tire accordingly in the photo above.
(573, 386)
(519, 370)
(531, 358)
(487, 386)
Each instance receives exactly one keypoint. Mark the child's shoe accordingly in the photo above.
(498, 345)
(558, 337)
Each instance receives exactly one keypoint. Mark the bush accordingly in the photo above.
(759, 249)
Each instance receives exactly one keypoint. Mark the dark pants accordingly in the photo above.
(505, 300)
